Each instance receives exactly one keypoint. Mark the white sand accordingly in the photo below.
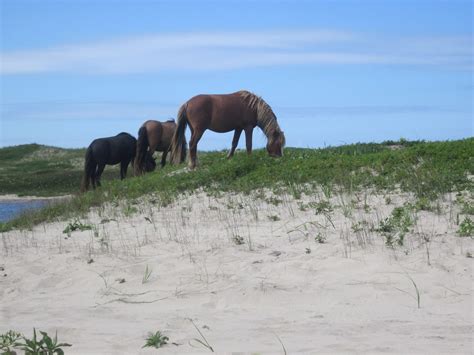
(351, 294)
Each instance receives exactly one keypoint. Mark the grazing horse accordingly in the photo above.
(111, 150)
(154, 136)
(239, 111)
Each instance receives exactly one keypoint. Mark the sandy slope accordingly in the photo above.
(349, 294)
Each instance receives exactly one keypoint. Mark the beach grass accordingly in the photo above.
(426, 169)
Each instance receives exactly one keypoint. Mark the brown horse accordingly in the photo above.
(153, 136)
(239, 111)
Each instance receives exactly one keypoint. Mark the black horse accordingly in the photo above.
(111, 150)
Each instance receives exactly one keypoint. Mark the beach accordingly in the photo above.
(245, 273)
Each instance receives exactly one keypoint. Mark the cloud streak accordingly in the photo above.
(236, 50)
(116, 110)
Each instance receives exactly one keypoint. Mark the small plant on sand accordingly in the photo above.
(45, 345)
(302, 206)
(327, 190)
(273, 200)
(466, 204)
(395, 227)
(156, 340)
(466, 228)
(366, 208)
(346, 207)
(323, 207)
(204, 341)
(146, 275)
(129, 210)
(418, 297)
(467, 208)
(8, 341)
(273, 218)
(321, 239)
(359, 226)
(238, 240)
(76, 226)
(103, 240)
(423, 204)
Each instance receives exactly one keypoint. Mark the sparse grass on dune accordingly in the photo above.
(427, 169)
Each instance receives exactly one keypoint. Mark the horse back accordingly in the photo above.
(168, 129)
(220, 113)
(123, 146)
(160, 133)
(113, 150)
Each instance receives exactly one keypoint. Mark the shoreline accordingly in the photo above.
(13, 206)
(16, 198)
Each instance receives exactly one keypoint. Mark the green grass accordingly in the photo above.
(428, 169)
(466, 228)
(397, 225)
(12, 341)
(38, 170)
(156, 340)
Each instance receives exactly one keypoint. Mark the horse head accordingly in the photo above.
(275, 144)
(150, 163)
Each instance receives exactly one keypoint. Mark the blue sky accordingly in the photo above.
(334, 72)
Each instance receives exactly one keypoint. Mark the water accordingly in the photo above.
(13, 208)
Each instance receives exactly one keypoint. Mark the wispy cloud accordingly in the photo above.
(143, 110)
(233, 50)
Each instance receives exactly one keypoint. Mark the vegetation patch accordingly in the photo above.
(426, 169)
(12, 340)
(466, 228)
(156, 340)
(76, 226)
(397, 225)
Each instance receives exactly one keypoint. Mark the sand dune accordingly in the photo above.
(253, 274)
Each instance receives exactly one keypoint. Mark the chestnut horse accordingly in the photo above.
(153, 136)
(239, 111)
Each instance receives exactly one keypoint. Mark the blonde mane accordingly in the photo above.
(266, 119)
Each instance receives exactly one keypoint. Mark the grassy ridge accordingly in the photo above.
(38, 170)
(427, 169)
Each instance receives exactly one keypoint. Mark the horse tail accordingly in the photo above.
(178, 142)
(142, 147)
(89, 170)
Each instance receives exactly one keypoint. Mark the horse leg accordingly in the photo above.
(100, 170)
(152, 148)
(93, 176)
(163, 157)
(123, 169)
(235, 141)
(248, 139)
(195, 137)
